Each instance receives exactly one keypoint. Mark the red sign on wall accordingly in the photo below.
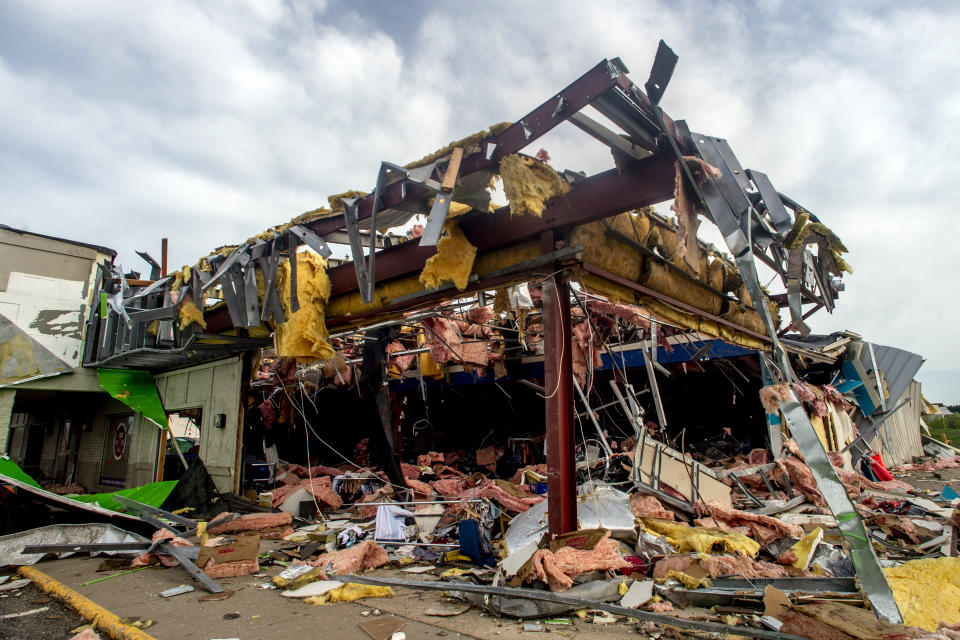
(116, 449)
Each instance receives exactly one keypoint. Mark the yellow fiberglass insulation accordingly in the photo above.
(190, 313)
(336, 201)
(607, 251)
(304, 334)
(528, 183)
(350, 592)
(927, 591)
(470, 144)
(453, 261)
(665, 280)
(697, 539)
(687, 580)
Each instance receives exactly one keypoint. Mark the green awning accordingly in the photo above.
(10, 469)
(152, 494)
(137, 390)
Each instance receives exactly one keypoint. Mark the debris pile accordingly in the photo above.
(566, 404)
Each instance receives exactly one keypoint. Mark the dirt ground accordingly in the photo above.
(932, 480)
(265, 614)
(55, 623)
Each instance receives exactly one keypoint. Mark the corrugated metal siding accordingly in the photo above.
(898, 367)
(904, 427)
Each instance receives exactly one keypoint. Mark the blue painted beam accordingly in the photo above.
(630, 359)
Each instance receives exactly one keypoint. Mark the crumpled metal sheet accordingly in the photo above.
(606, 508)
(597, 507)
(874, 584)
(861, 550)
(11, 545)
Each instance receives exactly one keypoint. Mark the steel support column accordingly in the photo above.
(558, 366)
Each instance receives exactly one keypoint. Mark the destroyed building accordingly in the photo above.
(576, 358)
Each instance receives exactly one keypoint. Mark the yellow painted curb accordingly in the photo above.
(101, 619)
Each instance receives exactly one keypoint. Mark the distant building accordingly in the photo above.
(47, 285)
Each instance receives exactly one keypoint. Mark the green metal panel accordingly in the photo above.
(10, 469)
(137, 390)
(152, 494)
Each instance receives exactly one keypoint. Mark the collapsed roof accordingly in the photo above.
(468, 245)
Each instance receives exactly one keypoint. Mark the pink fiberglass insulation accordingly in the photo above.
(629, 314)
(421, 489)
(383, 494)
(145, 559)
(430, 458)
(511, 504)
(771, 397)
(402, 363)
(474, 352)
(320, 488)
(282, 493)
(759, 456)
(741, 566)
(678, 562)
(649, 507)
(951, 462)
(481, 315)
(801, 478)
(710, 523)
(539, 469)
(449, 472)
(763, 529)
(320, 470)
(443, 339)
(361, 556)
(804, 392)
(410, 471)
(586, 356)
(252, 522)
(558, 569)
(474, 330)
(231, 569)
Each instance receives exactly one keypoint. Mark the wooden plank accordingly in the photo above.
(672, 468)
(453, 170)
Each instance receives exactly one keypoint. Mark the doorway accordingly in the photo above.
(185, 434)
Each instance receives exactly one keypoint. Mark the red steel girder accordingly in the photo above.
(558, 387)
(577, 95)
(599, 196)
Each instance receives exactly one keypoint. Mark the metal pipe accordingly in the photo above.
(593, 419)
(558, 383)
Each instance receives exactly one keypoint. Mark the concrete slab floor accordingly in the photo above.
(265, 614)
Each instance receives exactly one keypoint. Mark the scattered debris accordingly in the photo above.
(645, 443)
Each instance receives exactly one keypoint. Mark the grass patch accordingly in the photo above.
(945, 428)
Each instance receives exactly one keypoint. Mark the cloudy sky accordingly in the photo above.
(206, 122)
